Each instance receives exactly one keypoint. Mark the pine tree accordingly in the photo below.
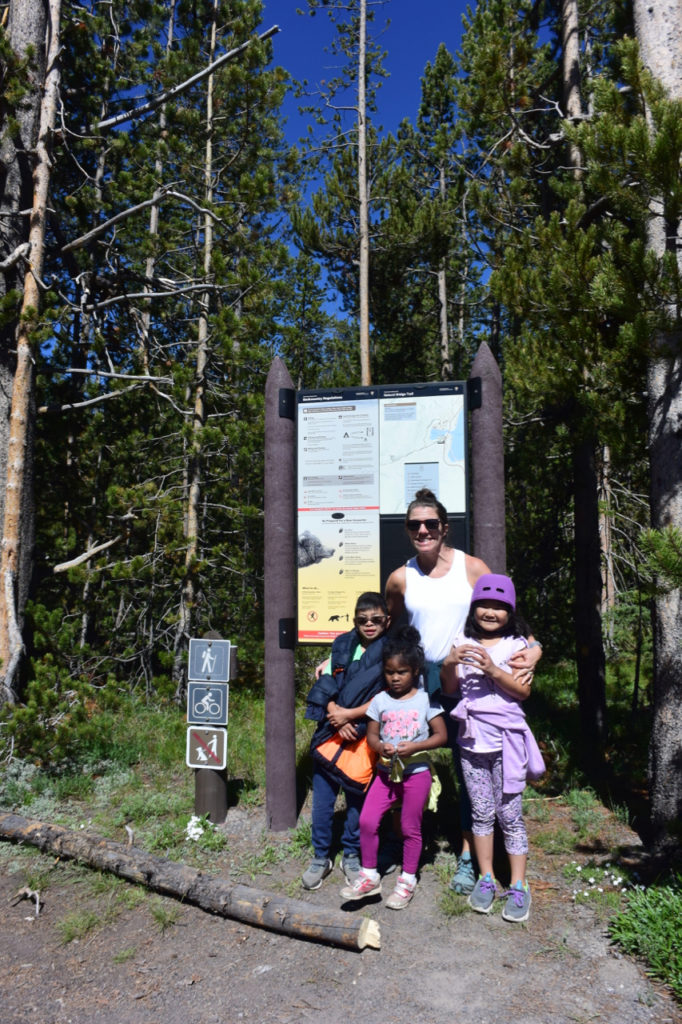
(658, 35)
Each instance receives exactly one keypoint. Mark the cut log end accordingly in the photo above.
(369, 934)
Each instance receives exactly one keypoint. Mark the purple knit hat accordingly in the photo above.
(493, 586)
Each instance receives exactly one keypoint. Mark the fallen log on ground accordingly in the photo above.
(213, 894)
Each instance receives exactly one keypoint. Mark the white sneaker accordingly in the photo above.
(402, 894)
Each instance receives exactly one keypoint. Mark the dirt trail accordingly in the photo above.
(559, 968)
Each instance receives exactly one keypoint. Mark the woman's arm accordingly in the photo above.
(524, 661)
(395, 593)
(475, 567)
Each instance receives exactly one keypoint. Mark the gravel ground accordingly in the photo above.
(201, 969)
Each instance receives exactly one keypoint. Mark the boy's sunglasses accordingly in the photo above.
(430, 524)
(376, 620)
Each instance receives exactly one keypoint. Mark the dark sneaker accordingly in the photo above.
(362, 887)
(319, 868)
(464, 878)
(483, 895)
(351, 866)
(402, 894)
(517, 907)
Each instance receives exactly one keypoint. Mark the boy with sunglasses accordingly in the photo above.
(338, 701)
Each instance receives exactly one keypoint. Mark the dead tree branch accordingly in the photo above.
(170, 94)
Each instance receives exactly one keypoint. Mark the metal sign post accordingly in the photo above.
(209, 671)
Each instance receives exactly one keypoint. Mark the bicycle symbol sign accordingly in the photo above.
(207, 703)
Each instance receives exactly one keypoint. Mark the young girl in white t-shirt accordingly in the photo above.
(403, 724)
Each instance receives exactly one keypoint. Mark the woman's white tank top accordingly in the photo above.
(438, 606)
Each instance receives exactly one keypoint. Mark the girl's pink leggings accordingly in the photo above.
(414, 792)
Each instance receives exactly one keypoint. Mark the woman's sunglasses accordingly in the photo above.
(430, 524)
(376, 620)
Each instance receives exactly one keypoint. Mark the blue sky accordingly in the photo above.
(416, 30)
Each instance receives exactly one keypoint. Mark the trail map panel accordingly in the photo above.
(422, 445)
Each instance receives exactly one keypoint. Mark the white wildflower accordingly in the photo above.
(194, 828)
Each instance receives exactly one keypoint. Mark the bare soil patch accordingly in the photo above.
(200, 969)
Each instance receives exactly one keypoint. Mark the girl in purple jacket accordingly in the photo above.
(498, 749)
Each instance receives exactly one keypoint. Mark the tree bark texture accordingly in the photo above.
(365, 371)
(290, 917)
(658, 26)
(445, 358)
(18, 519)
(590, 659)
(571, 71)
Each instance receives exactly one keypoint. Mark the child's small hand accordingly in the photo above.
(405, 748)
(337, 715)
(466, 654)
(387, 750)
(483, 661)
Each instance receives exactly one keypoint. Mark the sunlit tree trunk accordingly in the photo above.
(199, 411)
(571, 71)
(365, 371)
(445, 359)
(659, 32)
(18, 516)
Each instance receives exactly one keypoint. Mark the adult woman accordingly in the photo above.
(434, 588)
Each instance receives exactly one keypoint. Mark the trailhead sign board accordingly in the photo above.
(208, 691)
(362, 453)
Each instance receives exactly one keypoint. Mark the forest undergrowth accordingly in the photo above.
(126, 771)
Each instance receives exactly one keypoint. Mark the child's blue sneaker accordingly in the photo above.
(483, 895)
(517, 907)
(464, 879)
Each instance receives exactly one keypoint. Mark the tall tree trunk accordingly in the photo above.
(659, 32)
(445, 359)
(590, 657)
(571, 72)
(194, 474)
(608, 602)
(18, 518)
(365, 370)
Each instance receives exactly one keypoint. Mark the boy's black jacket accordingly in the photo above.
(353, 683)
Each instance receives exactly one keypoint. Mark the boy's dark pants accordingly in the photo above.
(325, 791)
